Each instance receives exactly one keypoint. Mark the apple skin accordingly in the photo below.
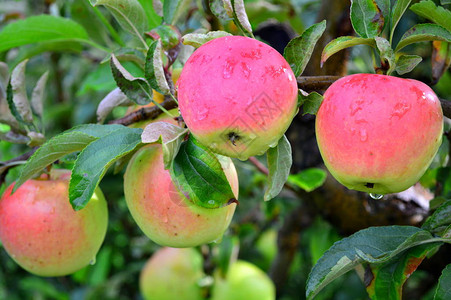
(237, 86)
(378, 133)
(244, 281)
(172, 273)
(164, 214)
(43, 234)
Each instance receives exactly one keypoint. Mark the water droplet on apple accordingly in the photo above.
(376, 196)
(252, 136)
(363, 135)
(211, 202)
(202, 113)
(92, 261)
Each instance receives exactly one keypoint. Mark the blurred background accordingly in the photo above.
(283, 237)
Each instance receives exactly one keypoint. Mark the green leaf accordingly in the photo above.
(398, 10)
(94, 161)
(128, 13)
(386, 280)
(154, 72)
(19, 90)
(309, 179)
(168, 135)
(60, 145)
(342, 43)
(423, 33)
(39, 29)
(199, 175)
(386, 53)
(444, 2)
(310, 102)
(441, 59)
(172, 10)
(135, 88)
(218, 8)
(366, 18)
(371, 245)
(37, 97)
(438, 222)
(114, 99)
(385, 7)
(198, 39)
(436, 14)
(240, 16)
(279, 165)
(443, 291)
(407, 63)
(152, 17)
(300, 49)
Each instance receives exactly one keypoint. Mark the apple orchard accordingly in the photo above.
(225, 149)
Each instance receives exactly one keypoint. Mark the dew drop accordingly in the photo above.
(363, 135)
(376, 196)
(202, 113)
(211, 202)
(92, 261)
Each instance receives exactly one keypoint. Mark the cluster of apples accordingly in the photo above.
(237, 96)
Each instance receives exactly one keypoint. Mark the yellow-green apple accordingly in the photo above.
(378, 133)
(162, 212)
(237, 96)
(43, 234)
(172, 273)
(243, 281)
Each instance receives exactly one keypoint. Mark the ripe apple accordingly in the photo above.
(172, 273)
(243, 281)
(163, 213)
(43, 234)
(237, 96)
(378, 133)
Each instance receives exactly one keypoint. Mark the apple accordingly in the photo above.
(172, 273)
(243, 281)
(237, 96)
(378, 133)
(163, 213)
(43, 234)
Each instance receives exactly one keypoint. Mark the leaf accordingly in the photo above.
(279, 165)
(154, 72)
(399, 8)
(366, 18)
(386, 280)
(172, 10)
(310, 102)
(94, 161)
(407, 63)
(19, 90)
(152, 16)
(444, 2)
(423, 33)
(39, 29)
(128, 13)
(38, 95)
(198, 39)
(221, 9)
(385, 7)
(443, 291)
(198, 174)
(438, 222)
(60, 145)
(342, 43)
(436, 14)
(114, 99)
(135, 88)
(371, 245)
(300, 49)
(385, 52)
(168, 135)
(441, 59)
(240, 16)
(309, 179)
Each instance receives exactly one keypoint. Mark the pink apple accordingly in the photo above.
(237, 96)
(163, 213)
(43, 234)
(378, 133)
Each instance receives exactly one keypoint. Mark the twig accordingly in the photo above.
(316, 83)
(6, 165)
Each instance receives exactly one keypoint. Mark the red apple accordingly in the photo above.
(378, 133)
(164, 214)
(43, 234)
(237, 96)
(172, 274)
